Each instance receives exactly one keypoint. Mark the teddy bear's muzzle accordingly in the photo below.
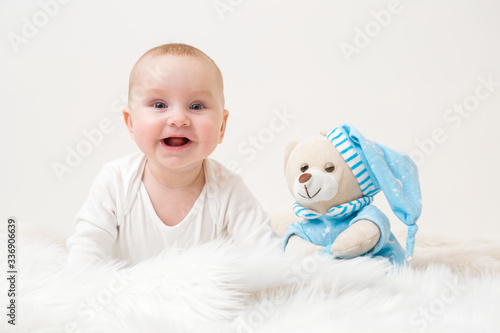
(309, 196)
(314, 186)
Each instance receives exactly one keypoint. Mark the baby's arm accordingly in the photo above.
(89, 245)
(96, 223)
(246, 220)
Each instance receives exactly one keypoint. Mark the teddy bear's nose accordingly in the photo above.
(304, 177)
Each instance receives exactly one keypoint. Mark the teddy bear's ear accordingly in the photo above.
(291, 145)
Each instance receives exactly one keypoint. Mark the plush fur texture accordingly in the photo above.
(453, 286)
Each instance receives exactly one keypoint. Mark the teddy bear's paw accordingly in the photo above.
(359, 238)
(300, 247)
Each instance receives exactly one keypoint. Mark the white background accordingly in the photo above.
(70, 73)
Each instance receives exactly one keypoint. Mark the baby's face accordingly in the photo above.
(176, 110)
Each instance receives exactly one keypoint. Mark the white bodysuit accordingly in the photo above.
(118, 219)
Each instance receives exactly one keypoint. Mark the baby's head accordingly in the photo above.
(175, 109)
(145, 74)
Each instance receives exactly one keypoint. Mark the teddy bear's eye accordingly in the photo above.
(304, 167)
(329, 167)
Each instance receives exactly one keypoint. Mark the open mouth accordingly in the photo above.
(176, 141)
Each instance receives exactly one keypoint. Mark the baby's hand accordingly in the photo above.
(301, 247)
(359, 238)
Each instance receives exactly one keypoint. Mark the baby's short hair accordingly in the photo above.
(178, 49)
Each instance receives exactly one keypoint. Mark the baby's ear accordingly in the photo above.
(288, 150)
(128, 121)
(225, 114)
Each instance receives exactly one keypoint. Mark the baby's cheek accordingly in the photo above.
(211, 129)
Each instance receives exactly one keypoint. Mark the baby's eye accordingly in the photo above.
(196, 106)
(159, 105)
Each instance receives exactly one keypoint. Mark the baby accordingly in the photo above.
(170, 194)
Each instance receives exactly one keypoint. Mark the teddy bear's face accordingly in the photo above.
(317, 175)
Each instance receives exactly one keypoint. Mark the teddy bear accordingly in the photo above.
(333, 177)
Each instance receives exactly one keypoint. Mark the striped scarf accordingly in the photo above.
(338, 211)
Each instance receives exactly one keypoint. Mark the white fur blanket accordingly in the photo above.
(452, 286)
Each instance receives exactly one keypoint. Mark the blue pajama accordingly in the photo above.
(324, 230)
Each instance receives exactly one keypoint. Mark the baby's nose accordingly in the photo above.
(177, 117)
